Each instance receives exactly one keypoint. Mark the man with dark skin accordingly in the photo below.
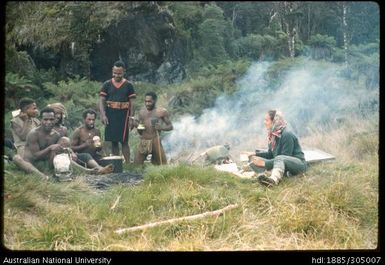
(152, 120)
(60, 113)
(83, 138)
(43, 143)
(23, 123)
(116, 107)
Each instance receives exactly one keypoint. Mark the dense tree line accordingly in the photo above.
(211, 33)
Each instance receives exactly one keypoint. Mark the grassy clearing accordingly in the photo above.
(334, 206)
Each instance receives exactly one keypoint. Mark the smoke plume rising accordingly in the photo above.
(312, 96)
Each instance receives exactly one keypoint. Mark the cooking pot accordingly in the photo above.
(116, 161)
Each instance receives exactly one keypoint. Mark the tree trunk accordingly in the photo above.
(344, 30)
(290, 40)
(234, 17)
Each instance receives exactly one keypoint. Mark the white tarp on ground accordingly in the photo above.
(233, 168)
(312, 155)
(316, 155)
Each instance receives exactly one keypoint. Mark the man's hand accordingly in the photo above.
(104, 119)
(131, 123)
(56, 147)
(23, 116)
(134, 122)
(74, 156)
(89, 142)
(158, 127)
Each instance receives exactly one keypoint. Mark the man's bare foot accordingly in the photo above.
(106, 170)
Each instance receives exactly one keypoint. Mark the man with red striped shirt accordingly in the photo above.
(116, 107)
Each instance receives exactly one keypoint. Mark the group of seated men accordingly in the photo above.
(37, 142)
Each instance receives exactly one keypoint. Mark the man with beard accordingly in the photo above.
(86, 138)
(116, 107)
(152, 120)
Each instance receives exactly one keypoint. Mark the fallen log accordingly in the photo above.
(174, 220)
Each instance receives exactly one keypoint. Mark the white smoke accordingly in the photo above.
(312, 95)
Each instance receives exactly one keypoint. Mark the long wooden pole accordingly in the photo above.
(160, 153)
(174, 220)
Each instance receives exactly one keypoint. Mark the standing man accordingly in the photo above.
(152, 120)
(86, 138)
(116, 107)
(23, 123)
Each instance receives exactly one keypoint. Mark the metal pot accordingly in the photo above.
(116, 161)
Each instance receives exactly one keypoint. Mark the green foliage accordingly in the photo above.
(213, 42)
(211, 38)
(321, 46)
(80, 90)
(77, 95)
(18, 61)
(322, 41)
(210, 33)
(277, 71)
(264, 47)
(364, 22)
(212, 11)
(201, 92)
(338, 55)
(187, 16)
(247, 17)
(17, 87)
(364, 64)
(249, 46)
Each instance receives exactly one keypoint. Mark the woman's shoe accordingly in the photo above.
(265, 180)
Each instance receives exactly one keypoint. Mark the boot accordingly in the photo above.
(276, 176)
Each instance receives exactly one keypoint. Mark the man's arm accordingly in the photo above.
(65, 131)
(102, 108)
(97, 133)
(132, 113)
(76, 144)
(141, 121)
(167, 125)
(21, 130)
(33, 146)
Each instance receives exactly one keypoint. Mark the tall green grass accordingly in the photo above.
(333, 206)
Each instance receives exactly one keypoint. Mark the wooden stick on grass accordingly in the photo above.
(174, 220)
(115, 203)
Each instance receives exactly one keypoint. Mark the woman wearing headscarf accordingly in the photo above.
(284, 155)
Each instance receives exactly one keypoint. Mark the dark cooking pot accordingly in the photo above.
(116, 161)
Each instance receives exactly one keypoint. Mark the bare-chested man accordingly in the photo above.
(86, 138)
(152, 120)
(43, 144)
